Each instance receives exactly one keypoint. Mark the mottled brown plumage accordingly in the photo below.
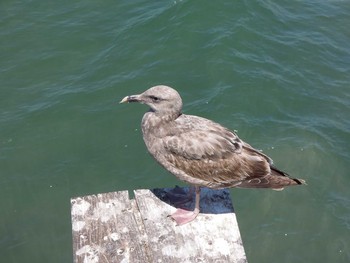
(201, 152)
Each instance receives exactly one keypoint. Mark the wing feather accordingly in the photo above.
(216, 156)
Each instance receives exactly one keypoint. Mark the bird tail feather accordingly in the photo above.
(276, 180)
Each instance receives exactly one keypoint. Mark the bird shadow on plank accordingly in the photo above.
(212, 201)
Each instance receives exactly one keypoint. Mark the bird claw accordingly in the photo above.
(182, 216)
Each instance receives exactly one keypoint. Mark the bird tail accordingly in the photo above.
(276, 180)
(275, 171)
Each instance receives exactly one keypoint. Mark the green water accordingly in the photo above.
(276, 71)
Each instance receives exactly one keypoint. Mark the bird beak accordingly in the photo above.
(126, 99)
(132, 98)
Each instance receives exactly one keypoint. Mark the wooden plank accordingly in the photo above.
(105, 229)
(112, 228)
(212, 237)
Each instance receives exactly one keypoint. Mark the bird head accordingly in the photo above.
(162, 100)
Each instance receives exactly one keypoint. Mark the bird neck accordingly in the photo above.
(154, 124)
(162, 117)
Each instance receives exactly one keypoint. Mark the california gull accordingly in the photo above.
(201, 152)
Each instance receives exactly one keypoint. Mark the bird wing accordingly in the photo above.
(195, 137)
(216, 156)
(197, 145)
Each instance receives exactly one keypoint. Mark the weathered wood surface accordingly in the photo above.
(112, 228)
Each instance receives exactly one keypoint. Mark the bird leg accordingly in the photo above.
(182, 216)
(179, 197)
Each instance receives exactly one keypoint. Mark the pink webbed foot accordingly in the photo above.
(182, 216)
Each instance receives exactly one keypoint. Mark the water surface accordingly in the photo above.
(277, 72)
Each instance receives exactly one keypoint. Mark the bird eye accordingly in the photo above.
(154, 98)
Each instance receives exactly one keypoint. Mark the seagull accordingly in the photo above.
(202, 152)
